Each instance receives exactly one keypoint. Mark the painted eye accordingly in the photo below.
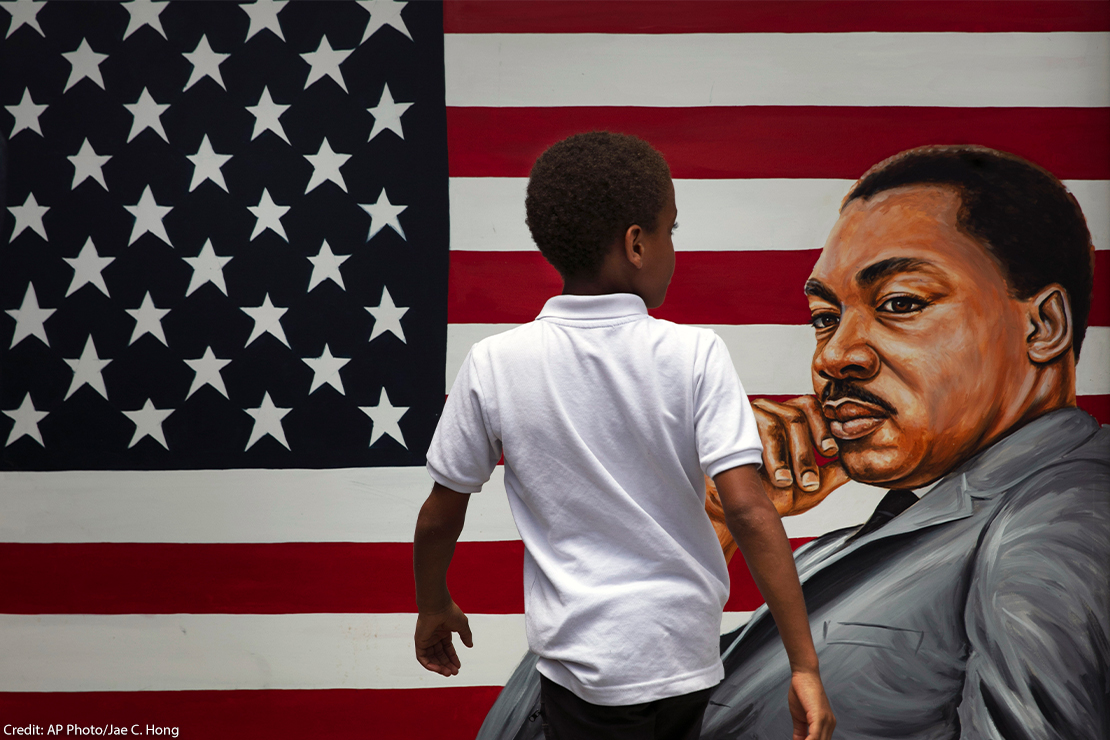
(902, 304)
(824, 321)
(675, 227)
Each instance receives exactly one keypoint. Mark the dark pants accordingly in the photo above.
(566, 717)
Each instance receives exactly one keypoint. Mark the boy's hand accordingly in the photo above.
(809, 707)
(790, 475)
(433, 639)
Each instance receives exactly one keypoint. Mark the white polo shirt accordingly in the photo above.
(608, 419)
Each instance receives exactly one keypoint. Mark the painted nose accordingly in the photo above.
(848, 353)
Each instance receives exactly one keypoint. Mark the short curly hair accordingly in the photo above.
(585, 191)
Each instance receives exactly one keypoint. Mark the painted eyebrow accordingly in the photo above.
(820, 290)
(872, 274)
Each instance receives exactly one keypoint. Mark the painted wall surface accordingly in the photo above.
(229, 323)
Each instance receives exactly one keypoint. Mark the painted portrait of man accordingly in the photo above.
(949, 306)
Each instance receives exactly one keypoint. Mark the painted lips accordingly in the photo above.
(849, 419)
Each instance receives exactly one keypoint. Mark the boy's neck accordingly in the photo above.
(614, 276)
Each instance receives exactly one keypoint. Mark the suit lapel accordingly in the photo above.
(947, 502)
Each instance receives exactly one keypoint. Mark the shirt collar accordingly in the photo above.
(607, 306)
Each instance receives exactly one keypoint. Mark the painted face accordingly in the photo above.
(658, 268)
(919, 344)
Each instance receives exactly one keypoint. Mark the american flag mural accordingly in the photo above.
(245, 248)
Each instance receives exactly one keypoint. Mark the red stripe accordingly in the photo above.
(754, 287)
(768, 16)
(782, 141)
(383, 714)
(1096, 406)
(708, 287)
(278, 578)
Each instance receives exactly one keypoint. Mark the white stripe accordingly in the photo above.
(852, 69)
(487, 213)
(774, 359)
(174, 652)
(335, 505)
(1092, 373)
(1094, 199)
(258, 506)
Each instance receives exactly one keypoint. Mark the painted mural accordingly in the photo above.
(949, 304)
(245, 247)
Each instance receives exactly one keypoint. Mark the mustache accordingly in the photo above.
(836, 389)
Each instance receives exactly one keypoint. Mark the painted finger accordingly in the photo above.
(818, 425)
(776, 456)
(833, 476)
(802, 460)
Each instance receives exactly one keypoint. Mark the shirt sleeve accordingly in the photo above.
(724, 424)
(465, 448)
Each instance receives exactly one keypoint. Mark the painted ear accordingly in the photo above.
(1050, 319)
(633, 247)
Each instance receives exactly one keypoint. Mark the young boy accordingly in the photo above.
(608, 420)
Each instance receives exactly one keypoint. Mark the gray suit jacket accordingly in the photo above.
(982, 611)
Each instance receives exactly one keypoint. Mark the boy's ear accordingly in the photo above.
(1050, 332)
(633, 246)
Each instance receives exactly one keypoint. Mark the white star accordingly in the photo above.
(325, 266)
(269, 216)
(267, 114)
(148, 217)
(148, 320)
(325, 369)
(147, 114)
(29, 216)
(382, 214)
(206, 63)
(26, 114)
(267, 319)
(87, 268)
(385, 417)
(144, 13)
(85, 63)
(387, 114)
(87, 163)
(387, 317)
(326, 61)
(29, 318)
(23, 12)
(207, 164)
(267, 420)
(27, 419)
(264, 15)
(148, 423)
(325, 166)
(383, 13)
(208, 267)
(207, 369)
(87, 370)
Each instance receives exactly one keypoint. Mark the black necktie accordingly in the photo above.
(893, 504)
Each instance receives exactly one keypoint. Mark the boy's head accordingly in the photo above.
(586, 191)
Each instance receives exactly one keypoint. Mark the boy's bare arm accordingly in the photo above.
(437, 530)
(757, 529)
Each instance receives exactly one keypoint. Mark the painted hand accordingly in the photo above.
(434, 650)
(791, 476)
